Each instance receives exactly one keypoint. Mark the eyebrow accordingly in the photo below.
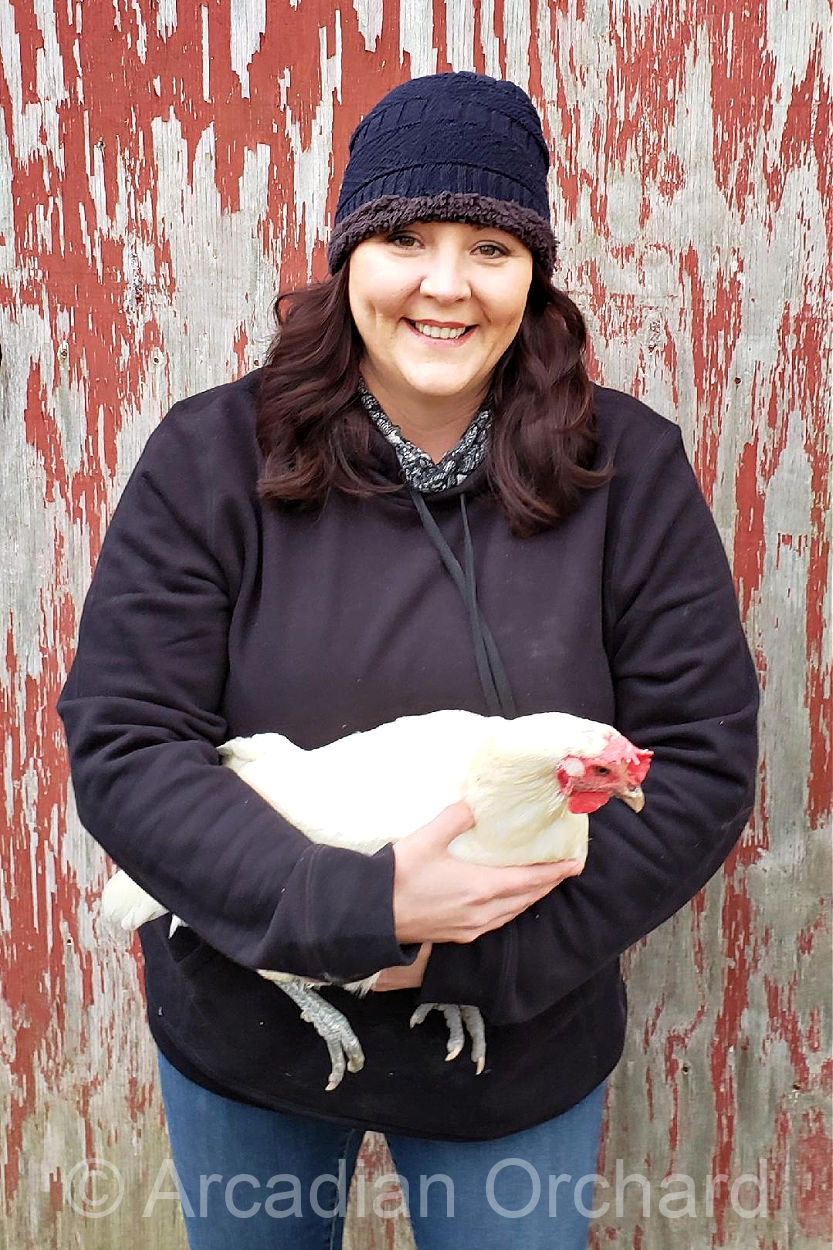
(471, 226)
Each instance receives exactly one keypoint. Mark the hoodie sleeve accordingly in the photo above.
(685, 686)
(142, 715)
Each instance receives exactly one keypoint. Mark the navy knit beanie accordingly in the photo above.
(449, 147)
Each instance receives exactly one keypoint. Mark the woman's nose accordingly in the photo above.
(445, 277)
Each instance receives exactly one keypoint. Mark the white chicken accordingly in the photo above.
(530, 783)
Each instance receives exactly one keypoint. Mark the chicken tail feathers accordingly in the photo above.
(127, 905)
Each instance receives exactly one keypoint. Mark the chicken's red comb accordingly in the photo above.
(620, 750)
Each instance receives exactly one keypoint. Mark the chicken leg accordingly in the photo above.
(459, 1018)
(344, 1047)
(328, 1022)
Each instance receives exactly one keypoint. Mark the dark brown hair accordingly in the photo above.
(314, 434)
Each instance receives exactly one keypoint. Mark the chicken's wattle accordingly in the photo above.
(583, 802)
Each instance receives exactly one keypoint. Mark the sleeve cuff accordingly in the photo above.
(470, 972)
(346, 925)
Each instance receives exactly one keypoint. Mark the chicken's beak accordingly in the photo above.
(633, 796)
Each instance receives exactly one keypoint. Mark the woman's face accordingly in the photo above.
(437, 304)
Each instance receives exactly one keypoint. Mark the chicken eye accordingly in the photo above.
(600, 770)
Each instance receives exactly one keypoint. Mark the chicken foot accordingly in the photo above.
(329, 1023)
(344, 1047)
(458, 1018)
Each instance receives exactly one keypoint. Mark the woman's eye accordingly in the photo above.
(490, 249)
(403, 240)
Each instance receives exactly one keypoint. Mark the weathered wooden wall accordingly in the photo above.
(162, 167)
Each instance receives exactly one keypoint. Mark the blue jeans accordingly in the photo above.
(254, 1179)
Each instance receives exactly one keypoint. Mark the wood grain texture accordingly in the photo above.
(163, 168)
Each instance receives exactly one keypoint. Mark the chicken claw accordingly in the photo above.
(456, 1018)
(329, 1023)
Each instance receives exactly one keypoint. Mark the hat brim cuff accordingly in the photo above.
(387, 213)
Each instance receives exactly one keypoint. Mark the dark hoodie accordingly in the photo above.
(212, 615)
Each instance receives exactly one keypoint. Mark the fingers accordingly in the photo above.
(490, 909)
(406, 977)
(443, 829)
(440, 898)
(537, 879)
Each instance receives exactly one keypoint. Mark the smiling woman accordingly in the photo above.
(436, 305)
(384, 326)
(419, 503)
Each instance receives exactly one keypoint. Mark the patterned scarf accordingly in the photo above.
(418, 468)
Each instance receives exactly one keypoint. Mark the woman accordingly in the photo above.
(419, 502)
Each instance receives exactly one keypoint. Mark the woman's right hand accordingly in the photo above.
(439, 898)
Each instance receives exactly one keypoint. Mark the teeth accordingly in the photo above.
(439, 332)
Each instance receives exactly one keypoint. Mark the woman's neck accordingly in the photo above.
(435, 424)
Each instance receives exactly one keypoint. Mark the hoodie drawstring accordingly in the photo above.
(493, 680)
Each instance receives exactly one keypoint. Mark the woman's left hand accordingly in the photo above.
(407, 978)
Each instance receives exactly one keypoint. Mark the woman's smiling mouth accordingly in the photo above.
(448, 333)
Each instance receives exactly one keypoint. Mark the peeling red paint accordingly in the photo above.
(742, 955)
(649, 1092)
(716, 310)
(748, 550)
(814, 1177)
(675, 1071)
(106, 292)
(807, 936)
(42, 433)
(743, 74)
(786, 1026)
(241, 342)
